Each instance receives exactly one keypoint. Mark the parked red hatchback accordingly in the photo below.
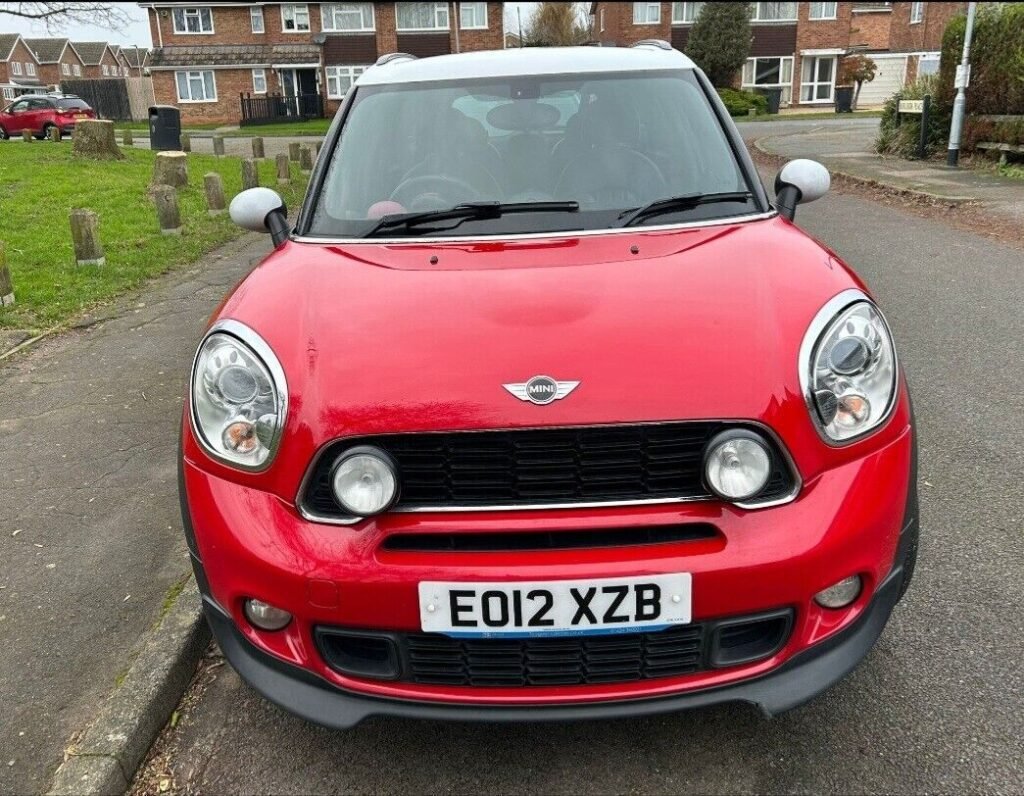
(39, 113)
(543, 410)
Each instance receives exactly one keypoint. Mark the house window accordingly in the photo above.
(9, 93)
(817, 78)
(65, 69)
(422, 16)
(77, 70)
(646, 13)
(823, 11)
(30, 69)
(928, 64)
(15, 68)
(473, 15)
(773, 12)
(106, 70)
(340, 79)
(686, 13)
(916, 13)
(295, 18)
(256, 19)
(193, 20)
(770, 73)
(347, 17)
(198, 86)
(259, 81)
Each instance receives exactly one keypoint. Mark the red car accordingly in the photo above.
(543, 410)
(39, 113)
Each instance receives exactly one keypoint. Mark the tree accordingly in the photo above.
(720, 40)
(56, 15)
(557, 25)
(856, 70)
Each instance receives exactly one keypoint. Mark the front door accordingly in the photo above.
(299, 87)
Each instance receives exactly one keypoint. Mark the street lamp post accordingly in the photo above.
(963, 73)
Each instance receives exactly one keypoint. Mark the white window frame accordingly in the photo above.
(16, 68)
(189, 75)
(642, 13)
(259, 74)
(65, 69)
(295, 17)
(755, 14)
(786, 86)
(193, 12)
(823, 11)
(30, 69)
(106, 70)
(336, 72)
(916, 13)
(814, 82)
(328, 18)
(9, 94)
(601, 18)
(77, 70)
(440, 9)
(256, 13)
(474, 7)
(680, 12)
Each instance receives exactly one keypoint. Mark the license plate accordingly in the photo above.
(555, 607)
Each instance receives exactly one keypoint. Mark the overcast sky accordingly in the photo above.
(137, 31)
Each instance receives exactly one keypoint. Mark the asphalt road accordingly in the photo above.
(936, 707)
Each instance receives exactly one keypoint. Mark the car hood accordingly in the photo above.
(654, 325)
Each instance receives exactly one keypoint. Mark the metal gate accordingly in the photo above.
(268, 108)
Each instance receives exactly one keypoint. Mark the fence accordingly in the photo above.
(275, 108)
(120, 99)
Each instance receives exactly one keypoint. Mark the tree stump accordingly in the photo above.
(26, 136)
(170, 168)
(215, 201)
(284, 170)
(218, 146)
(186, 142)
(129, 139)
(53, 133)
(257, 148)
(306, 159)
(250, 174)
(294, 148)
(6, 283)
(85, 225)
(166, 200)
(94, 138)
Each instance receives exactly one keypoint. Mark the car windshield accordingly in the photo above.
(612, 142)
(72, 104)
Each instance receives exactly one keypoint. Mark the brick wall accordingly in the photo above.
(491, 39)
(231, 83)
(22, 55)
(387, 39)
(233, 25)
(871, 28)
(925, 35)
(620, 30)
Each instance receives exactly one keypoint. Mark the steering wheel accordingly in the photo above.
(626, 178)
(433, 192)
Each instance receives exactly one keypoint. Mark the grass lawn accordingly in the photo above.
(308, 127)
(41, 182)
(796, 117)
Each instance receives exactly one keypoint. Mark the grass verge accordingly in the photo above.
(41, 182)
(308, 127)
(796, 117)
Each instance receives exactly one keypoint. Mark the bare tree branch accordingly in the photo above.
(56, 16)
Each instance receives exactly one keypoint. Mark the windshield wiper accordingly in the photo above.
(469, 210)
(684, 201)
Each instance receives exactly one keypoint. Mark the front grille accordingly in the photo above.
(542, 467)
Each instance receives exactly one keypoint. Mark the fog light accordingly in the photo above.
(737, 465)
(265, 616)
(365, 481)
(840, 594)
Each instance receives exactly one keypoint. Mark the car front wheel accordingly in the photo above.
(3, 134)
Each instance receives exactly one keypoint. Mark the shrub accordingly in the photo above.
(902, 139)
(739, 103)
(719, 42)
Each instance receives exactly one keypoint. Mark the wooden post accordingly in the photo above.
(250, 174)
(170, 168)
(6, 283)
(94, 138)
(166, 200)
(306, 159)
(318, 145)
(284, 171)
(186, 142)
(53, 133)
(129, 139)
(215, 201)
(293, 151)
(85, 236)
(257, 148)
(26, 136)
(218, 146)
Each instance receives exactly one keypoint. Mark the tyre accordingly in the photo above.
(3, 134)
(46, 131)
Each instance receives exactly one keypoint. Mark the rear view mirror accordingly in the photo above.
(799, 181)
(261, 210)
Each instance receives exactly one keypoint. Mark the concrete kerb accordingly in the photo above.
(106, 758)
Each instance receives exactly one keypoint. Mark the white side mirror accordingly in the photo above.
(800, 181)
(250, 208)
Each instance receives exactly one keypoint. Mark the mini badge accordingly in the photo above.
(541, 390)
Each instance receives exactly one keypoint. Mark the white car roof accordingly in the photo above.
(525, 61)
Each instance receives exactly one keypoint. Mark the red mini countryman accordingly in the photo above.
(543, 409)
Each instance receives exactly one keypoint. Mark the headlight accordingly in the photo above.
(848, 368)
(365, 481)
(239, 397)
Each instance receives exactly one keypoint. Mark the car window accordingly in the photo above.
(608, 141)
(39, 104)
(68, 103)
(19, 107)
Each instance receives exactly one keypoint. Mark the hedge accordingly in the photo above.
(739, 103)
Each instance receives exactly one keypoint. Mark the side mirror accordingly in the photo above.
(261, 210)
(798, 182)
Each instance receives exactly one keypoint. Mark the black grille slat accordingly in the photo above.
(539, 466)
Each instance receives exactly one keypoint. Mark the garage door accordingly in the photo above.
(888, 80)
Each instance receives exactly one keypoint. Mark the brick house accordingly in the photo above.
(58, 60)
(135, 59)
(207, 56)
(98, 59)
(797, 46)
(19, 69)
